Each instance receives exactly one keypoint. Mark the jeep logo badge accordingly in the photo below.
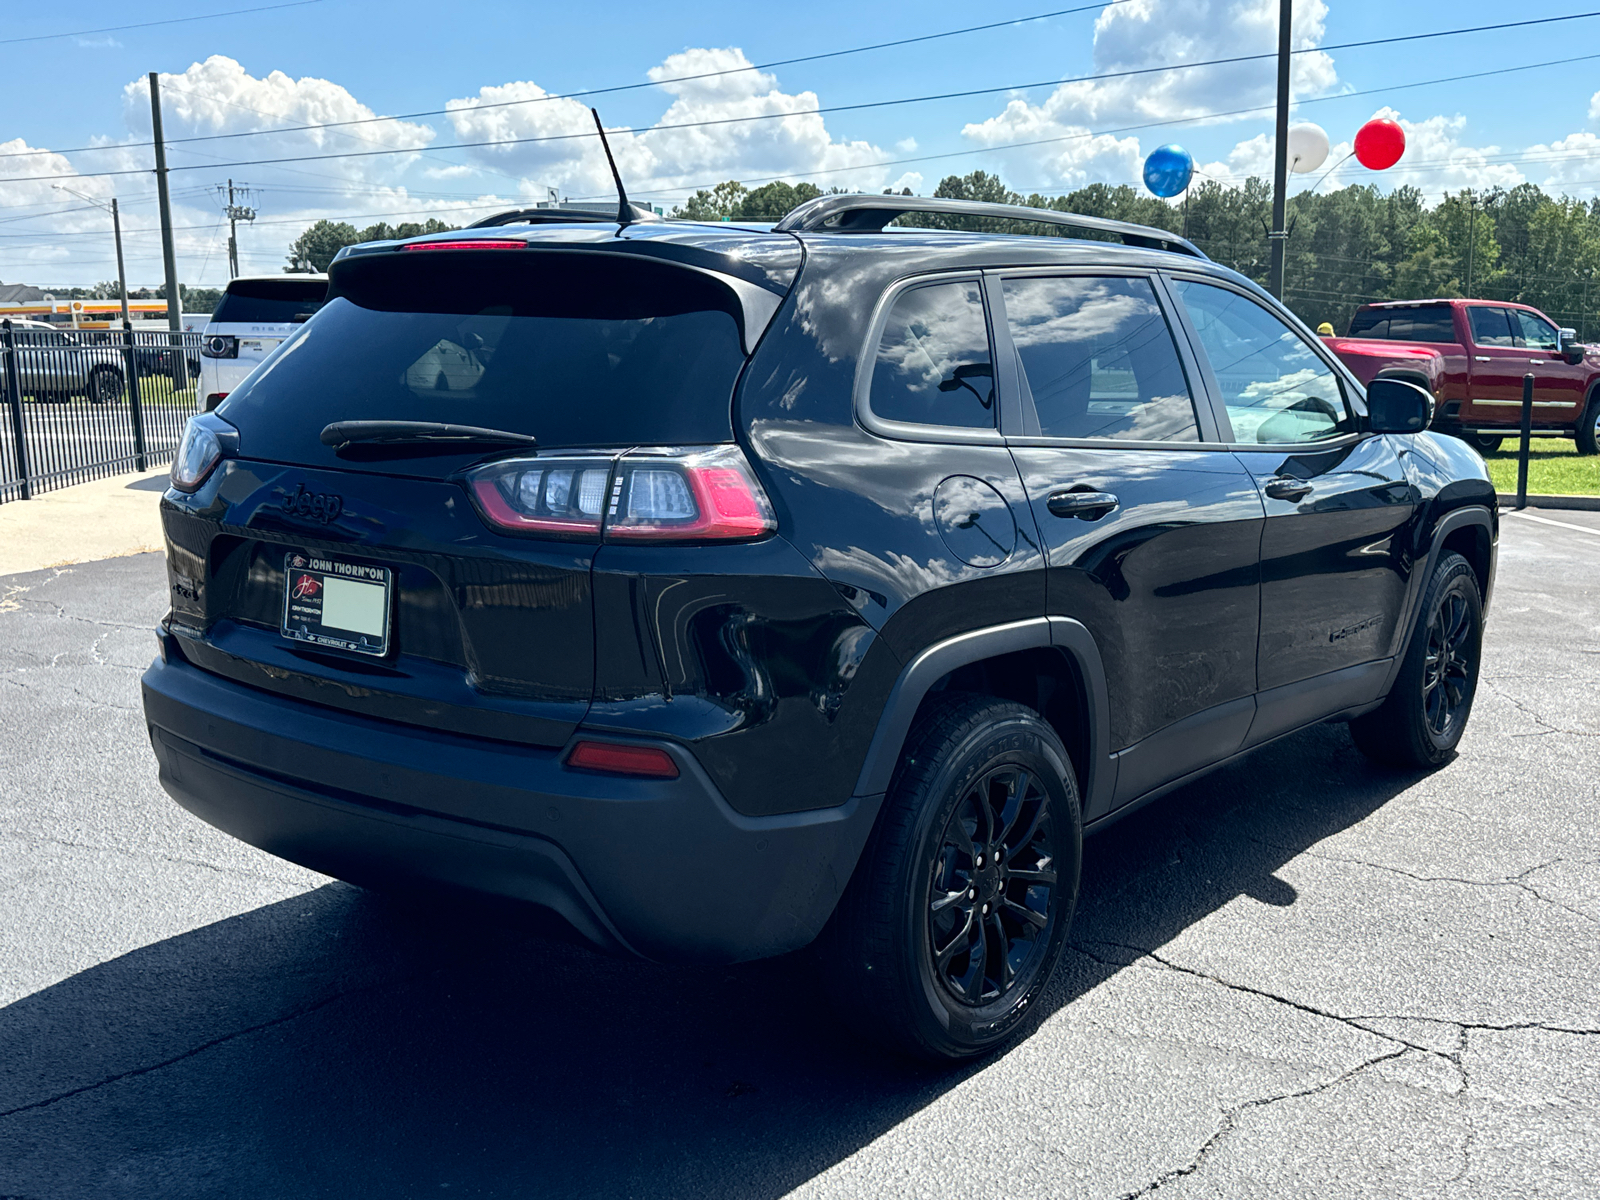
(325, 507)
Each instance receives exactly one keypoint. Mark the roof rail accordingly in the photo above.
(563, 215)
(869, 214)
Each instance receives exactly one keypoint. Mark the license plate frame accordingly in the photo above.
(361, 596)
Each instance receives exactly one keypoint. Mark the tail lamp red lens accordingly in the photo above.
(616, 758)
(669, 494)
(468, 244)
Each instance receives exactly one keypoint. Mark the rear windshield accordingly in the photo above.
(1429, 323)
(577, 350)
(270, 301)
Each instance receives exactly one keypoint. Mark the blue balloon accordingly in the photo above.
(1168, 170)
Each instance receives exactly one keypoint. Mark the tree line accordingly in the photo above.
(1346, 248)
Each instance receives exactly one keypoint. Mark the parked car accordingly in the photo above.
(55, 365)
(255, 314)
(1485, 347)
(726, 591)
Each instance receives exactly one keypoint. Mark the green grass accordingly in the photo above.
(1554, 468)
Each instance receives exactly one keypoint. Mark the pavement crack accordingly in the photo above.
(1232, 1116)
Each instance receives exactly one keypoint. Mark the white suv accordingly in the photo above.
(254, 315)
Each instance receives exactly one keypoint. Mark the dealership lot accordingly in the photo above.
(1300, 976)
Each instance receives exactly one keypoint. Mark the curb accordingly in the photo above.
(1584, 503)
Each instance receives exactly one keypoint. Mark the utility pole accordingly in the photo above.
(169, 253)
(236, 213)
(1472, 240)
(116, 229)
(1278, 236)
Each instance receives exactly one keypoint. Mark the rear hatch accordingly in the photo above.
(488, 632)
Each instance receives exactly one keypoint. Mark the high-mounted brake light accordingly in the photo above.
(472, 244)
(618, 759)
(665, 494)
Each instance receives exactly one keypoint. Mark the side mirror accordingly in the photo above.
(1571, 348)
(1396, 406)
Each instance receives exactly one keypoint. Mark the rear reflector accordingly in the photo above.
(623, 760)
(473, 244)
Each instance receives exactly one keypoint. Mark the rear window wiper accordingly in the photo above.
(370, 438)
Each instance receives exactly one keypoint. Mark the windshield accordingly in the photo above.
(576, 354)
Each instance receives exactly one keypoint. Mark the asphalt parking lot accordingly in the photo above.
(1302, 976)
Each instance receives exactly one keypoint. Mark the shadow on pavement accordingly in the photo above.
(338, 1044)
(155, 483)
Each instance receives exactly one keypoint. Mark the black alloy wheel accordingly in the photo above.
(989, 890)
(1447, 666)
(1426, 712)
(105, 385)
(958, 910)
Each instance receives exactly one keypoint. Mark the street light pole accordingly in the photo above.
(116, 229)
(1278, 237)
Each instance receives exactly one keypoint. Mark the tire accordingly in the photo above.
(1426, 712)
(1588, 431)
(1484, 443)
(105, 385)
(902, 952)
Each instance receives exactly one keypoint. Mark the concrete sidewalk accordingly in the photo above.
(104, 519)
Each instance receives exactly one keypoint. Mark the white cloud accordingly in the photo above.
(219, 96)
(787, 138)
(1594, 107)
(1573, 167)
(1147, 33)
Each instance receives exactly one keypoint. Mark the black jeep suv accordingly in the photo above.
(726, 590)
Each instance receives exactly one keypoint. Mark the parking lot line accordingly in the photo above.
(1562, 524)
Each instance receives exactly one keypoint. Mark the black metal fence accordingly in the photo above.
(82, 404)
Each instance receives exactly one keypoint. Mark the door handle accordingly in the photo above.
(1482, 358)
(1087, 505)
(1281, 487)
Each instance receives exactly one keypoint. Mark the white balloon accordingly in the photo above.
(1308, 147)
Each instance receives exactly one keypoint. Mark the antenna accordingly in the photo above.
(624, 210)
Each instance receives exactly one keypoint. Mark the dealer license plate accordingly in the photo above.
(344, 605)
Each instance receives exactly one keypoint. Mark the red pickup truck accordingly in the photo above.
(1472, 354)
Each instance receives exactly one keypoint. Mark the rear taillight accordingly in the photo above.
(666, 494)
(198, 455)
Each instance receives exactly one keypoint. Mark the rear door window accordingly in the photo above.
(1491, 326)
(270, 301)
(934, 366)
(1099, 359)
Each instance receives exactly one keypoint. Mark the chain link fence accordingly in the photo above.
(83, 404)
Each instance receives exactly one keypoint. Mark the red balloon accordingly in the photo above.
(1379, 144)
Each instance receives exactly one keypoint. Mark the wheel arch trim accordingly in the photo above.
(1459, 518)
(1070, 637)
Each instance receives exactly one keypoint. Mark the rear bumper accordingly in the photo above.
(660, 868)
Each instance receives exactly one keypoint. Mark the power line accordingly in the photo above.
(237, 12)
(1108, 75)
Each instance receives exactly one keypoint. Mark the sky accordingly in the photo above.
(78, 108)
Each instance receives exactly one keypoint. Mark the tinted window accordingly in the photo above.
(270, 301)
(1490, 326)
(1535, 332)
(1425, 323)
(1276, 388)
(577, 351)
(1099, 359)
(933, 365)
